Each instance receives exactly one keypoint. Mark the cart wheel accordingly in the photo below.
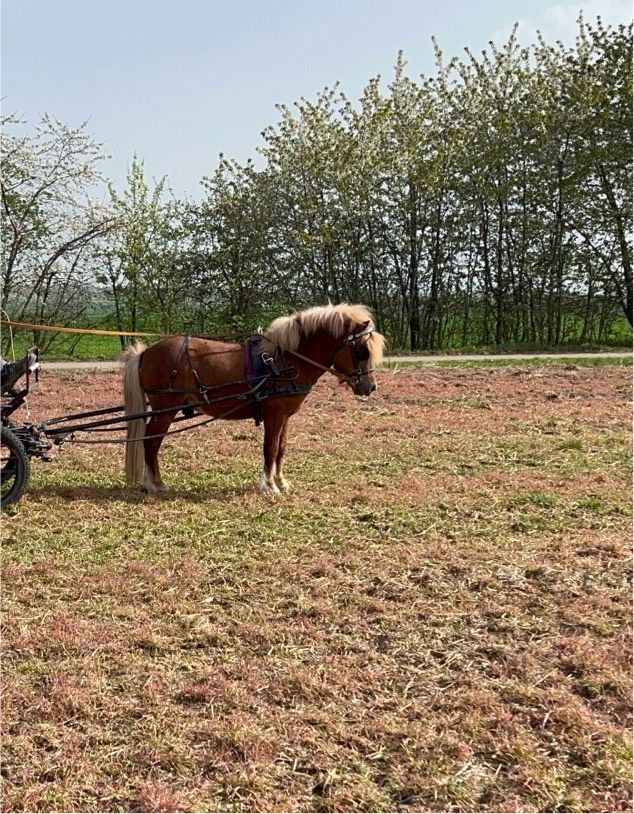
(15, 467)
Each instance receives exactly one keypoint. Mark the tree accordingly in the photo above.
(606, 57)
(488, 204)
(48, 220)
(141, 263)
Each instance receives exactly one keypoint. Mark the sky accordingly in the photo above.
(177, 82)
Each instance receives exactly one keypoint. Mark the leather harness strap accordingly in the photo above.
(184, 348)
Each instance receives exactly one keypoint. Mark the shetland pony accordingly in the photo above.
(211, 377)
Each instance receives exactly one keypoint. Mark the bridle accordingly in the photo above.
(359, 351)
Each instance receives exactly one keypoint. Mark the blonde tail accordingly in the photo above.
(134, 400)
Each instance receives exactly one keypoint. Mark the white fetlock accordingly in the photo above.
(282, 484)
(150, 486)
(268, 486)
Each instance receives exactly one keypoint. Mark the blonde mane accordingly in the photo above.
(287, 332)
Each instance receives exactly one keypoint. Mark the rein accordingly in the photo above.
(341, 376)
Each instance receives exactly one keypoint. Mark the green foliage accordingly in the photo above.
(48, 221)
(144, 268)
(487, 205)
(475, 207)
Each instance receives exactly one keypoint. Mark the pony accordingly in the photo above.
(215, 378)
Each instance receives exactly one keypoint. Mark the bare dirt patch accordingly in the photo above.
(436, 618)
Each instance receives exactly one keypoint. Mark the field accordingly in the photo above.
(436, 618)
(90, 347)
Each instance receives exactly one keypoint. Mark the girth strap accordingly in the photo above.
(259, 367)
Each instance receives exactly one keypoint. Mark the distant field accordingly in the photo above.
(87, 347)
(437, 617)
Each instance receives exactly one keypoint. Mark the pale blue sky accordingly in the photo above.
(179, 81)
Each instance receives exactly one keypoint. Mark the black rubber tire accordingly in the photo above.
(15, 467)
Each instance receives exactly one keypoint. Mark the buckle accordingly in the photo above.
(270, 363)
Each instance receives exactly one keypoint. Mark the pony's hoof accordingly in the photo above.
(283, 485)
(151, 488)
(269, 488)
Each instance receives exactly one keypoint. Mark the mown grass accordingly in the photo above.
(437, 617)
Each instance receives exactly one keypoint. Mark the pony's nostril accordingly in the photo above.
(373, 388)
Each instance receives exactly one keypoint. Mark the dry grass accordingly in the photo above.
(436, 618)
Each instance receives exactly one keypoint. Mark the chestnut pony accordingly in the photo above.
(212, 376)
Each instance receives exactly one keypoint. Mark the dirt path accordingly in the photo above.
(431, 360)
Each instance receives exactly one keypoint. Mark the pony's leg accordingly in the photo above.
(280, 481)
(273, 426)
(157, 426)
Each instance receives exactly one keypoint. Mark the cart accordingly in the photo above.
(19, 442)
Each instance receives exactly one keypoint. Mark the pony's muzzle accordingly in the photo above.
(364, 388)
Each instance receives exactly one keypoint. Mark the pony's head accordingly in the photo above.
(355, 349)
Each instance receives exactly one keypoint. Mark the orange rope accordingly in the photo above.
(32, 326)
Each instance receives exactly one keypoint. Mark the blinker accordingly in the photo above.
(360, 352)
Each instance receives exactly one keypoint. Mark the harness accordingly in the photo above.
(188, 412)
(262, 370)
(265, 377)
(360, 351)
